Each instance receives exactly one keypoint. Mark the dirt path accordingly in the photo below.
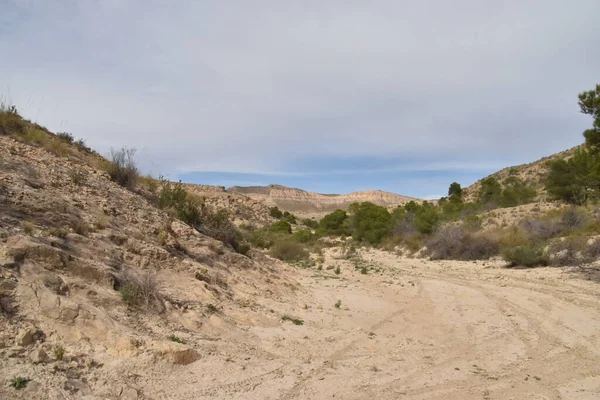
(413, 330)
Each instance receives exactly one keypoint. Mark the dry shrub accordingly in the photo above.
(453, 242)
(570, 251)
(592, 250)
(122, 167)
(289, 251)
(10, 120)
(140, 289)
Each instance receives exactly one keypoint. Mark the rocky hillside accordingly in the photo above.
(102, 293)
(533, 175)
(301, 201)
(243, 209)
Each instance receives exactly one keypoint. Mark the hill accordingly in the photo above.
(300, 201)
(533, 174)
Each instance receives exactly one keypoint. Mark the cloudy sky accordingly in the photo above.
(331, 96)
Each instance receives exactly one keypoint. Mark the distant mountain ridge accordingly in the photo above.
(298, 200)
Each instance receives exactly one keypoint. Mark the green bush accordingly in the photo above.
(310, 223)
(281, 227)
(525, 256)
(275, 212)
(289, 251)
(334, 223)
(304, 236)
(65, 137)
(291, 218)
(369, 222)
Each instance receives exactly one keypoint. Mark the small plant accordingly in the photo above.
(139, 288)
(338, 304)
(28, 227)
(77, 176)
(19, 382)
(363, 270)
(59, 232)
(59, 352)
(295, 321)
(80, 228)
(175, 339)
(337, 270)
(122, 167)
(66, 137)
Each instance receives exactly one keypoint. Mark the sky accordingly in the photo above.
(330, 96)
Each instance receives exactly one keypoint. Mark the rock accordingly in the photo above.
(176, 353)
(38, 356)
(129, 393)
(55, 283)
(77, 386)
(28, 336)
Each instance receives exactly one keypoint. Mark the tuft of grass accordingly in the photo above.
(59, 232)
(295, 321)
(337, 270)
(338, 304)
(10, 120)
(139, 288)
(122, 167)
(28, 227)
(19, 382)
(78, 176)
(59, 352)
(363, 270)
(175, 339)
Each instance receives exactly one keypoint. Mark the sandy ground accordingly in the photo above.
(413, 329)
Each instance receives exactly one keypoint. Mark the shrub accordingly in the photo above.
(569, 251)
(261, 239)
(592, 251)
(275, 212)
(79, 177)
(338, 304)
(446, 242)
(122, 167)
(65, 137)
(28, 227)
(310, 223)
(291, 218)
(526, 256)
(10, 120)
(289, 251)
(303, 236)
(369, 222)
(281, 227)
(334, 223)
(337, 270)
(140, 288)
